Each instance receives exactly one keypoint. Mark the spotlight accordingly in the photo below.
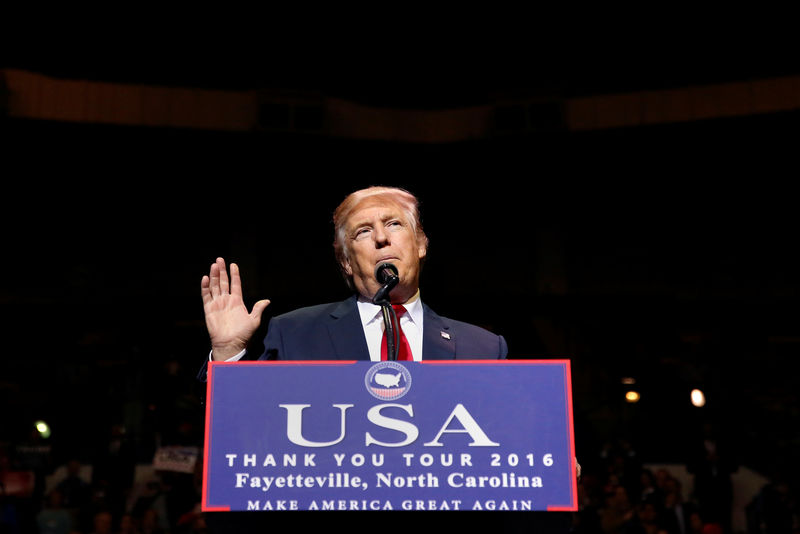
(632, 396)
(698, 398)
(42, 428)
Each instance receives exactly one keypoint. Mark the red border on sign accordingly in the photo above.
(209, 406)
(571, 507)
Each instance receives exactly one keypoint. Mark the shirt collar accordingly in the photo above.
(370, 312)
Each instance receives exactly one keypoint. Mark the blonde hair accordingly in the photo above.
(407, 202)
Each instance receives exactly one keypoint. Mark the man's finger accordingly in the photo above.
(236, 281)
(213, 280)
(223, 277)
(205, 290)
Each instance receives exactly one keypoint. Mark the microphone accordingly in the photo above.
(386, 274)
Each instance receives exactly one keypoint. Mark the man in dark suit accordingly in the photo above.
(372, 226)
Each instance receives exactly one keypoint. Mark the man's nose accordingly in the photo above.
(381, 236)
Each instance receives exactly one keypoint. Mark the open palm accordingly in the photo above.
(230, 326)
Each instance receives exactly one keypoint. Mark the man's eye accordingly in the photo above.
(361, 232)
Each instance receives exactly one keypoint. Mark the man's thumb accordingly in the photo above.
(258, 308)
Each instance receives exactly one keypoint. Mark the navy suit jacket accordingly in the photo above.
(334, 332)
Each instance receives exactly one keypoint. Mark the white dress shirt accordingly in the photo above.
(410, 322)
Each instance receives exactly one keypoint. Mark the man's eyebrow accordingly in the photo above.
(358, 224)
(387, 216)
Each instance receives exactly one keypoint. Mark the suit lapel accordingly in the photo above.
(438, 341)
(343, 323)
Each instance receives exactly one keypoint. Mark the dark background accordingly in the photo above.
(667, 253)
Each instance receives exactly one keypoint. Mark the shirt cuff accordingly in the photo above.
(234, 358)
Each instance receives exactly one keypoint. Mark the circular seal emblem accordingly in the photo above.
(387, 380)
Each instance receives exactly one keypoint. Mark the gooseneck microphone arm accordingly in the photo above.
(386, 274)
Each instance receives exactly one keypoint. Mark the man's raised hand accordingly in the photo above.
(229, 324)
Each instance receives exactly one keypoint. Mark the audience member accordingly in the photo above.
(77, 495)
(696, 523)
(773, 510)
(712, 466)
(127, 524)
(617, 514)
(645, 521)
(152, 522)
(113, 468)
(76, 490)
(53, 518)
(102, 523)
(648, 489)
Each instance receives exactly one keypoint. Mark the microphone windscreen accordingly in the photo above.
(384, 272)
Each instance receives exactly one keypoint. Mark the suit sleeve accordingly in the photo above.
(273, 342)
(503, 348)
(201, 376)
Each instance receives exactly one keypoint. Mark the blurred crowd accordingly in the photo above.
(98, 474)
(106, 501)
(619, 494)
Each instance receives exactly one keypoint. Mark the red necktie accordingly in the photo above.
(404, 350)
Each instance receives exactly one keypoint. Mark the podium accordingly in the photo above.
(408, 436)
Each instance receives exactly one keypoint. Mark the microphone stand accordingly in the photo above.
(381, 298)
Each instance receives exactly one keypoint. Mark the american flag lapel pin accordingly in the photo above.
(445, 334)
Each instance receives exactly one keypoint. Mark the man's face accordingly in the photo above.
(377, 232)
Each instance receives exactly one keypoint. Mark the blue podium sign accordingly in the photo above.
(431, 435)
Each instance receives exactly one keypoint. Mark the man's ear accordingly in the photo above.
(422, 248)
(346, 267)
